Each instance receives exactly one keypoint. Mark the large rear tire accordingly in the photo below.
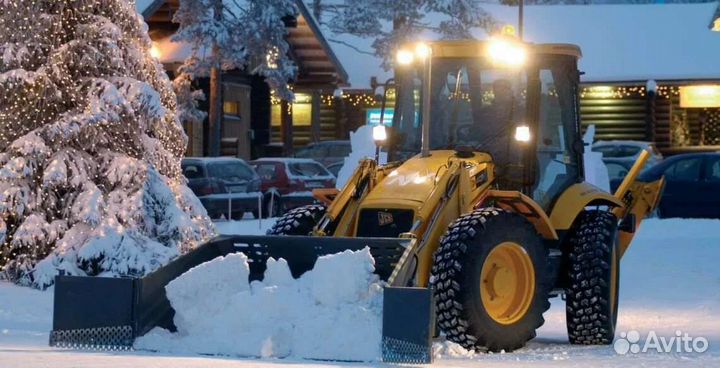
(593, 280)
(491, 281)
(298, 221)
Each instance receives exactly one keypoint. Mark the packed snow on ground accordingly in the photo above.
(332, 312)
(669, 281)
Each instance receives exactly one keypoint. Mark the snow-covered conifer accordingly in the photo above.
(248, 35)
(391, 23)
(90, 145)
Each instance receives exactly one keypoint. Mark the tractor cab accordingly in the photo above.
(516, 102)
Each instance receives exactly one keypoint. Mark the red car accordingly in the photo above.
(293, 179)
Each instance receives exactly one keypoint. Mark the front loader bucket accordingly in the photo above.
(109, 313)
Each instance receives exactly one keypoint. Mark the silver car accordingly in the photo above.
(627, 151)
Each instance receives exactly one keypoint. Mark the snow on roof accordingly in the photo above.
(214, 159)
(619, 42)
(293, 160)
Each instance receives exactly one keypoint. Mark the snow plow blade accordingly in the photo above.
(408, 320)
(110, 313)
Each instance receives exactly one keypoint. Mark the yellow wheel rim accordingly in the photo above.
(507, 283)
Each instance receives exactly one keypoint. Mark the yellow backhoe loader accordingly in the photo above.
(480, 216)
(486, 184)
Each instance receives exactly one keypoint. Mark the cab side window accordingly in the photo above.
(557, 163)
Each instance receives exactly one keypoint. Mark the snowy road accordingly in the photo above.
(670, 281)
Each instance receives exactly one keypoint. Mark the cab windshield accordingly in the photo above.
(476, 105)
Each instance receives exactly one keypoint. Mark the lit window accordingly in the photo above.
(231, 108)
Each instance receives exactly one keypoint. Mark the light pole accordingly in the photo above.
(521, 18)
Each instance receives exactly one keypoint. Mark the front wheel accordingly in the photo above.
(594, 280)
(491, 280)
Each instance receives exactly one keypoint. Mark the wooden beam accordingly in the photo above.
(286, 131)
(315, 119)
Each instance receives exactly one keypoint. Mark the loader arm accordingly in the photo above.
(640, 198)
(343, 205)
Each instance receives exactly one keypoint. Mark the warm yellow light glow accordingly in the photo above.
(422, 50)
(601, 91)
(405, 57)
(379, 133)
(503, 51)
(716, 25)
(522, 133)
(508, 30)
(155, 51)
(703, 96)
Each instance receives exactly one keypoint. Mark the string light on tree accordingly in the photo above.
(90, 145)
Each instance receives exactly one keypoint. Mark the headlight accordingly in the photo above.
(522, 133)
(379, 133)
(506, 52)
(405, 57)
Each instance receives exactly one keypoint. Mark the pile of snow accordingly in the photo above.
(363, 146)
(332, 312)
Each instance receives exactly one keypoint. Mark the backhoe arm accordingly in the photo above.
(640, 198)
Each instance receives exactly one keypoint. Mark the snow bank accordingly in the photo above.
(363, 146)
(332, 312)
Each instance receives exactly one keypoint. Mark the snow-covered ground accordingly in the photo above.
(670, 281)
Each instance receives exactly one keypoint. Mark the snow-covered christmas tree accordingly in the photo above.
(90, 147)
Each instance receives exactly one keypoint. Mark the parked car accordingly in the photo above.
(627, 151)
(617, 170)
(225, 186)
(293, 179)
(335, 168)
(692, 185)
(326, 152)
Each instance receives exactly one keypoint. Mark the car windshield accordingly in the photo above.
(307, 169)
(230, 171)
(313, 151)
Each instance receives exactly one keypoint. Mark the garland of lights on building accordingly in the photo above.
(365, 99)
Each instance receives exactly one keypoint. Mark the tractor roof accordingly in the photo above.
(473, 48)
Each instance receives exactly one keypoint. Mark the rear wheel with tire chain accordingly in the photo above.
(591, 296)
(298, 221)
(491, 281)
